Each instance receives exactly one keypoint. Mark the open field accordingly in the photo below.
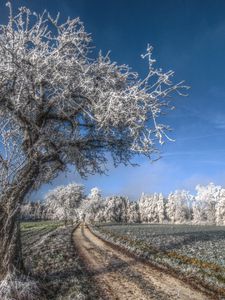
(195, 252)
(80, 265)
(202, 242)
(51, 258)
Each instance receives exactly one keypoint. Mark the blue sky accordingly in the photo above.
(188, 37)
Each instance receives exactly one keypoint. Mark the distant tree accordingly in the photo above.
(38, 210)
(144, 207)
(160, 208)
(178, 207)
(60, 107)
(95, 194)
(63, 202)
(32, 211)
(204, 209)
(26, 211)
(220, 208)
(152, 208)
(116, 209)
(133, 213)
(111, 209)
(92, 208)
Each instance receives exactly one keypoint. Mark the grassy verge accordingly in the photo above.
(26, 226)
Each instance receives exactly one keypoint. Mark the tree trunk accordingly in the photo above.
(10, 243)
(10, 202)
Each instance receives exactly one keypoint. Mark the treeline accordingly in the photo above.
(70, 204)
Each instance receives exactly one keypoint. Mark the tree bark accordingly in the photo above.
(10, 243)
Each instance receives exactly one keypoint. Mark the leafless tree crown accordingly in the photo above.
(58, 106)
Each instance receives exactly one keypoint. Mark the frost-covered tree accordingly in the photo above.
(116, 209)
(152, 208)
(144, 207)
(32, 210)
(92, 208)
(63, 202)
(160, 208)
(59, 106)
(133, 213)
(38, 210)
(26, 211)
(178, 207)
(95, 194)
(220, 208)
(111, 209)
(204, 208)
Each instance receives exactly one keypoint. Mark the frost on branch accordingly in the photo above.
(58, 106)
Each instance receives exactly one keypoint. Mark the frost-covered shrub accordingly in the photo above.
(19, 288)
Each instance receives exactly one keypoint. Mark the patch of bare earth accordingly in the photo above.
(120, 276)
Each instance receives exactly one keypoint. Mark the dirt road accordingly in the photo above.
(120, 276)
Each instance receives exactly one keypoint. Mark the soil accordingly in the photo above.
(123, 277)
